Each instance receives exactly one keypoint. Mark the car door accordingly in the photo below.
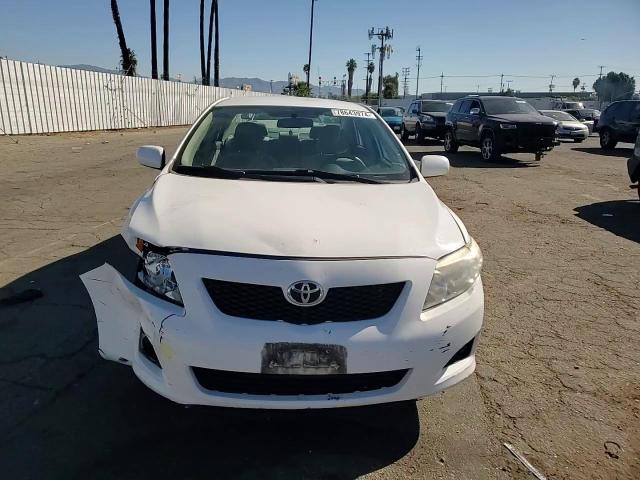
(409, 123)
(629, 120)
(463, 122)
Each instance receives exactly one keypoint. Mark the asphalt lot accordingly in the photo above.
(558, 374)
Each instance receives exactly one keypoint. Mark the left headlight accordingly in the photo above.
(508, 126)
(157, 276)
(427, 118)
(454, 274)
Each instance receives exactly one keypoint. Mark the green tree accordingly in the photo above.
(351, 68)
(615, 86)
(128, 60)
(302, 89)
(576, 82)
(390, 86)
(370, 69)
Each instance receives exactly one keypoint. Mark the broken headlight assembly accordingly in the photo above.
(156, 275)
(454, 274)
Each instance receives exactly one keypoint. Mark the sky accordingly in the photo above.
(471, 42)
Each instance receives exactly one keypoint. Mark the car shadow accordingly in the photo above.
(616, 152)
(70, 414)
(620, 217)
(468, 159)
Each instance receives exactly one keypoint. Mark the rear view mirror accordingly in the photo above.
(434, 165)
(151, 156)
(295, 122)
(475, 111)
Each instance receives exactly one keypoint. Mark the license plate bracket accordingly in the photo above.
(303, 358)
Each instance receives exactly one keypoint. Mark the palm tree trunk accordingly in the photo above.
(124, 51)
(154, 43)
(208, 70)
(165, 46)
(203, 71)
(216, 51)
(350, 83)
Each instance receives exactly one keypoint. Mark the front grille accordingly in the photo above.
(530, 133)
(284, 384)
(266, 302)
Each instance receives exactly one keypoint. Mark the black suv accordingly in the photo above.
(498, 125)
(619, 123)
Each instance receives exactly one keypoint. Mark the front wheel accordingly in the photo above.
(419, 134)
(450, 145)
(606, 139)
(578, 140)
(404, 136)
(489, 149)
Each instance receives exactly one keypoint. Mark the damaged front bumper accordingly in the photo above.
(197, 346)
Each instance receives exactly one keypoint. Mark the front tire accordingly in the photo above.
(578, 140)
(489, 149)
(419, 134)
(606, 139)
(450, 144)
(404, 136)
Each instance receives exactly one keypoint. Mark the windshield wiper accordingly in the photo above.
(209, 171)
(316, 174)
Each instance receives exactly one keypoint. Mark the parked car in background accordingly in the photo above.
(588, 116)
(498, 125)
(568, 126)
(619, 122)
(425, 118)
(633, 166)
(270, 268)
(393, 117)
(564, 105)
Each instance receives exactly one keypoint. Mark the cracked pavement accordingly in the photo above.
(558, 365)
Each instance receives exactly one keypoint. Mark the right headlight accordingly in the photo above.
(157, 276)
(454, 274)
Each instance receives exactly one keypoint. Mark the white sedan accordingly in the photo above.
(568, 126)
(292, 255)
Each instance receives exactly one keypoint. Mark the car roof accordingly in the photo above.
(434, 101)
(290, 101)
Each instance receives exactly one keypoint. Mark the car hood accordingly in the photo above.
(436, 114)
(523, 118)
(572, 123)
(296, 219)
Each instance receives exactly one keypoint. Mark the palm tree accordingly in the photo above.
(370, 68)
(154, 47)
(203, 71)
(351, 68)
(576, 82)
(216, 51)
(128, 60)
(165, 45)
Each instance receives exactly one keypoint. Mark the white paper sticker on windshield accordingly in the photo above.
(345, 112)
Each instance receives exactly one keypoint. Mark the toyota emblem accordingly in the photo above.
(305, 293)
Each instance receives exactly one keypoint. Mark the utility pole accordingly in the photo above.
(405, 83)
(551, 85)
(601, 67)
(441, 80)
(477, 88)
(418, 61)
(383, 34)
(271, 86)
(501, 83)
(319, 87)
(366, 80)
(509, 84)
(310, 45)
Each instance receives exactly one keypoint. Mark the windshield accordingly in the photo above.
(390, 112)
(506, 105)
(562, 116)
(436, 106)
(279, 142)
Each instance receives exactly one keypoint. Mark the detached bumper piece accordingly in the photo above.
(282, 384)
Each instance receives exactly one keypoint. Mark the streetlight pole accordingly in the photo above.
(310, 45)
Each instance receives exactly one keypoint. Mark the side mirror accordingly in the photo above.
(434, 165)
(151, 156)
(474, 111)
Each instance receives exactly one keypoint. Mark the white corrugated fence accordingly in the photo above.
(36, 98)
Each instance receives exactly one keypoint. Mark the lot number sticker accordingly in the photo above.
(344, 112)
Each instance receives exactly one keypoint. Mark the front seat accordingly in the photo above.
(246, 149)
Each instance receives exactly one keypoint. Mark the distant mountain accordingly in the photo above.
(257, 84)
